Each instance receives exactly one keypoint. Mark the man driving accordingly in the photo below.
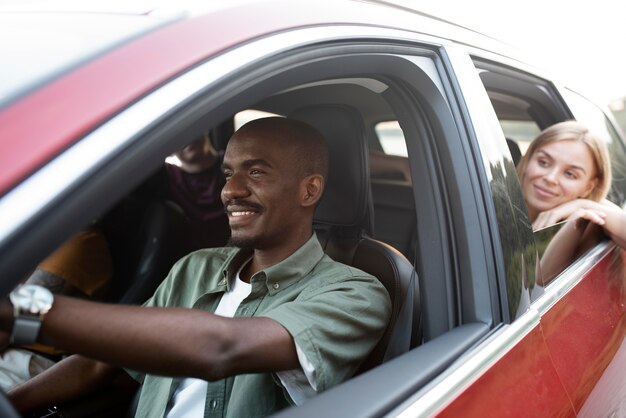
(243, 330)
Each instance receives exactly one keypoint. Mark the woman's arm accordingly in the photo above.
(606, 214)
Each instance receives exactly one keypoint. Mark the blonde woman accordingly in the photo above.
(566, 175)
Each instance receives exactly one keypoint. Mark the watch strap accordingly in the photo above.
(25, 330)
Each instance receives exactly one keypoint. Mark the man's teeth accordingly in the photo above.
(241, 213)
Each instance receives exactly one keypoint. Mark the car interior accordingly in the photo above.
(366, 218)
(374, 215)
(524, 104)
(403, 201)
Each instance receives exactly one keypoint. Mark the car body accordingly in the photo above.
(84, 120)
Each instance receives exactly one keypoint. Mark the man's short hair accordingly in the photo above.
(309, 151)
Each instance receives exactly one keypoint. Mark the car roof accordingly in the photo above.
(160, 41)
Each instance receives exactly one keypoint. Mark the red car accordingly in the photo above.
(93, 101)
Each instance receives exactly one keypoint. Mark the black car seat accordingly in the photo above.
(343, 222)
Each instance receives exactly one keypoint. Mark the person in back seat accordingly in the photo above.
(195, 186)
(176, 211)
(258, 326)
(82, 266)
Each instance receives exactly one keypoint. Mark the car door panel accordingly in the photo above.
(585, 330)
(523, 383)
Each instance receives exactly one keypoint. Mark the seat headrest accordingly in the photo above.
(347, 196)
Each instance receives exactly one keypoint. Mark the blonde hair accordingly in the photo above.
(574, 131)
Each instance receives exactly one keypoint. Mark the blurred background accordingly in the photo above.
(580, 42)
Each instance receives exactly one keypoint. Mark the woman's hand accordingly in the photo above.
(608, 215)
(575, 209)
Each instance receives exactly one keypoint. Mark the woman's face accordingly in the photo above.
(556, 173)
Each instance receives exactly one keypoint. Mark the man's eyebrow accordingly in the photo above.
(257, 161)
(249, 163)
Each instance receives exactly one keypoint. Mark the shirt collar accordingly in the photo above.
(283, 274)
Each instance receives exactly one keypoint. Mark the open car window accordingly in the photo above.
(424, 200)
(525, 105)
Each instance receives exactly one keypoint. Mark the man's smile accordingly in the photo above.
(241, 212)
(236, 214)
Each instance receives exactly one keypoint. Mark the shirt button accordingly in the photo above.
(213, 404)
(276, 286)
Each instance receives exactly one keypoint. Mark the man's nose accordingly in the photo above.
(235, 187)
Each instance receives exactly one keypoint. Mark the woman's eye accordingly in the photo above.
(542, 162)
(570, 175)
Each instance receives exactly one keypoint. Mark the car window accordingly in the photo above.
(388, 157)
(522, 132)
(525, 105)
(391, 138)
(430, 210)
(591, 115)
(247, 115)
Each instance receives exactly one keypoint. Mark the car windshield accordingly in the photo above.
(37, 47)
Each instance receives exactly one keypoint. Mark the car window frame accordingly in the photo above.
(113, 173)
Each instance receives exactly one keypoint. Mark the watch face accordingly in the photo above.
(33, 299)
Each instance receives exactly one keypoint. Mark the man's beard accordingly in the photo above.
(242, 242)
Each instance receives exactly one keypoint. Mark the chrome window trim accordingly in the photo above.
(467, 369)
(63, 172)
(570, 277)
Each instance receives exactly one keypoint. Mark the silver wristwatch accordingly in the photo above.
(31, 303)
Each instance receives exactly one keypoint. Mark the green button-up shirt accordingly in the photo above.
(335, 313)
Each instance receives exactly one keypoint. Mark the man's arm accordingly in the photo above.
(168, 341)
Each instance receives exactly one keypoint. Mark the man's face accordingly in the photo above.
(261, 191)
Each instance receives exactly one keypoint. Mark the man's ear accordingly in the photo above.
(312, 188)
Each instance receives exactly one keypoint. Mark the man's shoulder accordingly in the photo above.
(206, 257)
(216, 251)
(328, 265)
(331, 271)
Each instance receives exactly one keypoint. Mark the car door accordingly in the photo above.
(584, 316)
(579, 317)
(510, 372)
(476, 333)
(452, 243)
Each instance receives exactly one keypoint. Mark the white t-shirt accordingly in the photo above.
(190, 396)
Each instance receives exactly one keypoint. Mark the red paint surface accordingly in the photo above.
(585, 330)
(521, 384)
(39, 126)
(573, 363)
